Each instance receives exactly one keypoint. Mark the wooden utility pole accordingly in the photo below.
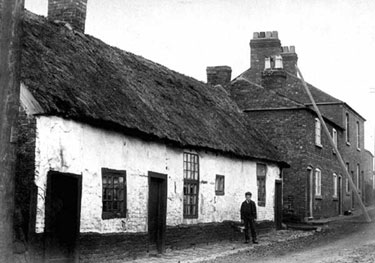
(10, 57)
(330, 139)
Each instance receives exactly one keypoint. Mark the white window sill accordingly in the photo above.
(319, 145)
(348, 143)
(358, 149)
(319, 197)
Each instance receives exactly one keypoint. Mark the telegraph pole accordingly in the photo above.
(341, 161)
(10, 57)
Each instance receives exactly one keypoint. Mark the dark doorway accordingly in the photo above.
(339, 189)
(62, 216)
(157, 211)
(278, 204)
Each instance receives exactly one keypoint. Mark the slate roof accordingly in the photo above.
(79, 77)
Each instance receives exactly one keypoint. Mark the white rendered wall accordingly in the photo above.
(72, 147)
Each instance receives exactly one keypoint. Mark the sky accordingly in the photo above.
(334, 39)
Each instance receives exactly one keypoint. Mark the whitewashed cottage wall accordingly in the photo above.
(68, 146)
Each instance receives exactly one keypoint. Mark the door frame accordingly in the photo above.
(163, 208)
(48, 207)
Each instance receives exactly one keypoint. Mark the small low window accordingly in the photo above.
(219, 185)
(114, 193)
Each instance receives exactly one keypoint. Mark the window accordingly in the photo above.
(334, 136)
(219, 185)
(373, 181)
(347, 128)
(261, 181)
(318, 132)
(191, 185)
(318, 182)
(114, 193)
(358, 136)
(358, 178)
(347, 179)
(335, 185)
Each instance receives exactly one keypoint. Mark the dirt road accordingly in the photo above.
(349, 240)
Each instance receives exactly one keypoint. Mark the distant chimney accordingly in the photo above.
(219, 75)
(274, 75)
(70, 11)
(263, 45)
(290, 59)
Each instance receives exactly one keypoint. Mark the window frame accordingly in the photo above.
(188, 181)
(318, 183)
(334, 136)
(358, 131)
(347, 128)
(106, 172)
(335, 185)
(261, 177)
(358, 177)
(318, 133)
(219, 191)
(347, 186)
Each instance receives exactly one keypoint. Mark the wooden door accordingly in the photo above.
(157, 211)
(278, 204)
(62, 216)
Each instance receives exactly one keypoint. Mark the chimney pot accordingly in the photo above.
(255, 35)
(69, 11)
(262, 35)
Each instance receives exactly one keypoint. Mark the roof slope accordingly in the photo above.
(294, 89)
(80, 77)
(249, 95)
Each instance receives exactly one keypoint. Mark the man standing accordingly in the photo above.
(248, 216)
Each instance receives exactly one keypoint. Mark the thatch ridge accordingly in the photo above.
(80, 77)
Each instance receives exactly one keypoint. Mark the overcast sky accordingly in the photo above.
(335, 39)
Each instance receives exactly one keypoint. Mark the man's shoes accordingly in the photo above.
(246, 242)
(255, 242)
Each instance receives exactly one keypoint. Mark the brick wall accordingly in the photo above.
(70, 11)
(293, 131)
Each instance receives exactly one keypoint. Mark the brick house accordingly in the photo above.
(124, 155)
(273, 99)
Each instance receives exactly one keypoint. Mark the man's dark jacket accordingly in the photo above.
(248, 210)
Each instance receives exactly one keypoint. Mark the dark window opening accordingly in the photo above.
(219, 184)
(114, 193)
(191, 185)
(261, 182)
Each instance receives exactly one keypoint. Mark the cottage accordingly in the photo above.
(124, 155)
(273, 98)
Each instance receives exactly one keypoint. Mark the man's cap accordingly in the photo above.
(248, 193)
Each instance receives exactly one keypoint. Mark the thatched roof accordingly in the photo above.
(79, 77)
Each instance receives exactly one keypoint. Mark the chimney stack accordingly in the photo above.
(290, 59)
(263, 44)
(274, 75)
(219, 75)
(70, 11)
